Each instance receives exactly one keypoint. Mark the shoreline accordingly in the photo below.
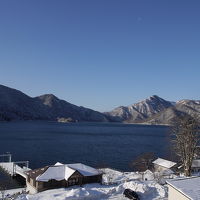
(84, 122)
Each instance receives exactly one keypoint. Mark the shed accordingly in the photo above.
(148, 175)
(162, 165)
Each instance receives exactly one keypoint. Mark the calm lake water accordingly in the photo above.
(95, 144)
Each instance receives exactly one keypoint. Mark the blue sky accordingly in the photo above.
(101, 53)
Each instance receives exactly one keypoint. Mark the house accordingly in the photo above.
(184, 189)
(196, 165)
(61, 175)
(161, 165)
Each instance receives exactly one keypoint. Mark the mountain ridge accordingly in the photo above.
(155, 110)
(16, 105)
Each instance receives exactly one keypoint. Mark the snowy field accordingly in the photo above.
(11, 192)
(115, 183)
(146, 191)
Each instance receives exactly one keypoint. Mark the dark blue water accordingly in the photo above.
(44, 143)
(95, 144)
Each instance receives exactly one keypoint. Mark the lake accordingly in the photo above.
(96, 144)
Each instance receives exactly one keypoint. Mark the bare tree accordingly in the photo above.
(185, 138)
(143, 161)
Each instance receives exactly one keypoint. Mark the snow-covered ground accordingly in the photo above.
(8, 193)
(146, 191)
(114, 176)
(115, 183)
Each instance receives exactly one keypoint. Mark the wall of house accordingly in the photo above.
(30, 188)
(92, 179)
(174, 194)
(148, 177)
(196, 169)
(51, 184)
(159, 168)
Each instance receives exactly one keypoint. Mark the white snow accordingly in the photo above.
(7, 166)
(58, 163)
(84, 169)
(146, 191)
(58, 172)
(113, 176)
(8, 193)
(164, 163)
(196, 163)
(189, 186)
(115, 183)
(68, 172)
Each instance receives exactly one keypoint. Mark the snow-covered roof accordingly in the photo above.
(58, 163)
(196, 163)
(84, 169)
(148, 172)
(61, 171)
(164, 163)
(188, 186)
(56, 172)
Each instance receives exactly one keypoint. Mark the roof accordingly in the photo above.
(84, 169)
(164, 163)
(196, 163)
(36, 172)
(187, 186)
(61, 171)
(56, 172)
(148, 172)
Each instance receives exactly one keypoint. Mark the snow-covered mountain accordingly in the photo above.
(138, 112)
(155, 110)
(15, 105)
(152, 105)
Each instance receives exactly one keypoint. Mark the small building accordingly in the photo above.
(148, 175)
(184, 189)
(196, 166)
(61, 175)
(161, 165)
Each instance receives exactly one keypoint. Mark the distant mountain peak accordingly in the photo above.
(142, 110)
(50, 96)
(154, 97)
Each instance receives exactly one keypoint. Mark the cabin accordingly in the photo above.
(184, 189)
(161, 165)
(61, 175)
